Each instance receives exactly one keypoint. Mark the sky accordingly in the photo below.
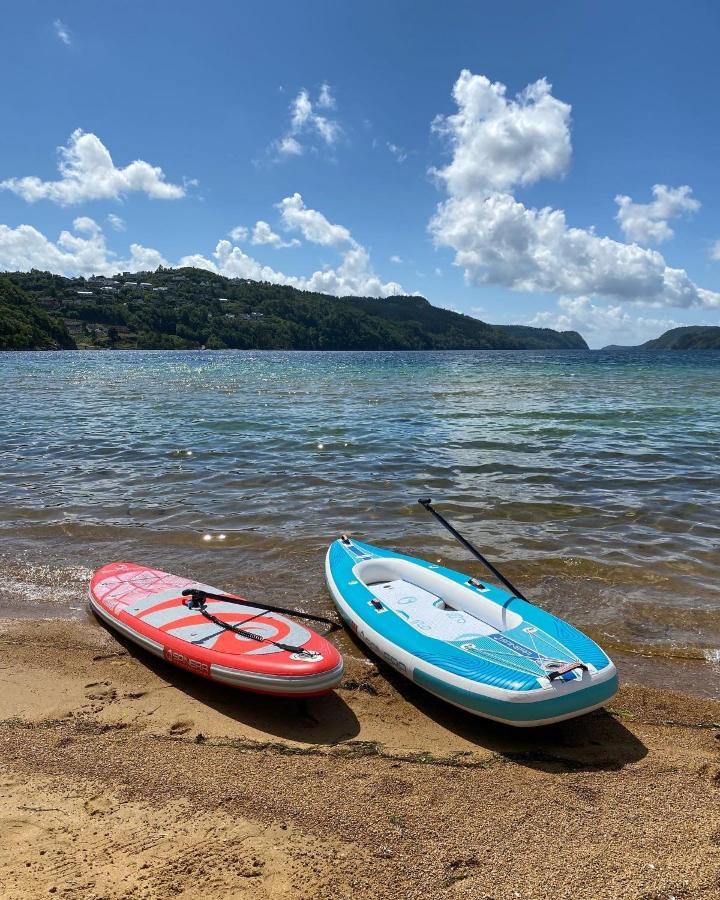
(552, 164)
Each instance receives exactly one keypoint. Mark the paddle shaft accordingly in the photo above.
(198, 595)
(426, 504)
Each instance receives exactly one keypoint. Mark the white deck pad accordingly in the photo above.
(427, 613)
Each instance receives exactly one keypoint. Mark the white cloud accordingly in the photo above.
(354, 275)
(263, 234)
(715, 251)
(301, 109)
(395, 259)
(84, 251)
(88, 173)
(62, 32)
(498, 240)
(288, 146)
(498, 144)
(116, 222)
(398, 152)
(312, 224)
(306, 122)
(647, 223)
(142, 259)
(86, 224)
(239, 233)
(438, 272)
(601, 324)
(328, 129)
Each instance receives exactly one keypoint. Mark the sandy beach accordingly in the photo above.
(122, 777)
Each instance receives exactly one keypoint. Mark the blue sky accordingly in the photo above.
(370, 162)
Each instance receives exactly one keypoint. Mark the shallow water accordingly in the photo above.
(592, 476)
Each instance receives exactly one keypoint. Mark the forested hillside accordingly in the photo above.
(691, 337)
(190, 308)
(25, 326)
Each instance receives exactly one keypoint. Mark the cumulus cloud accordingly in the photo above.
(398, 152)
(499, 144)
(307, 123)
(498, 240)
(142, 259)
(647, 223)
(86, 224)
(62, 32)
(601, 323)
(263, 234)
(88, 173)
(396, 259)
(239, 233)
(354, 275)
(84, 251)
(312, 224)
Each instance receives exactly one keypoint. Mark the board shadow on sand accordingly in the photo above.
(595, 741)
(314, 720)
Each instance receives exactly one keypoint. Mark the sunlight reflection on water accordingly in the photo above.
(592, 475)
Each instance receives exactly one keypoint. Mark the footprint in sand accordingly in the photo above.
(182, 726)
(100, 690)
(99, 805)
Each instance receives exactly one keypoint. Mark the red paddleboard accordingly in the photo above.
(147, 607)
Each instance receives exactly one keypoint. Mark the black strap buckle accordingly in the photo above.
(196, 599)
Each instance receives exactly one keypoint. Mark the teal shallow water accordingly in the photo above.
(593, 476)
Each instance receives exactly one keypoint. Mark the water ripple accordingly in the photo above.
(593, 475)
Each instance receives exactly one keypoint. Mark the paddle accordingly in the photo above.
(198, 596)
(426, 504)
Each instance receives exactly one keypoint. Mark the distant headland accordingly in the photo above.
(688, 337)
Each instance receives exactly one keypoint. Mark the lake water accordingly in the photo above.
(592, 476)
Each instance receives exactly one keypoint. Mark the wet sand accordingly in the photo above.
(121, 777)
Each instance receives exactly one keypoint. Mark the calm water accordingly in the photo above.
(592, 476)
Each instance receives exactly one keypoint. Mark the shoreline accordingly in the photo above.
(629, 348)
(124, 777)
